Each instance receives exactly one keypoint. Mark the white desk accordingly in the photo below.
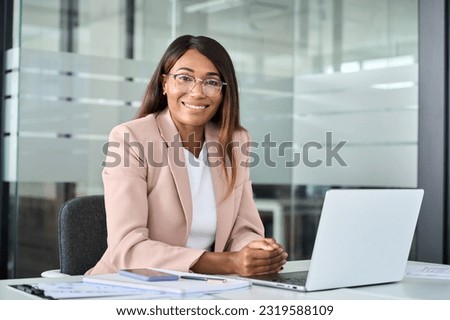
(409, 288)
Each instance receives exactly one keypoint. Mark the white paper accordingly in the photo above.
(428, 271)
(77, 290)
(179, 287)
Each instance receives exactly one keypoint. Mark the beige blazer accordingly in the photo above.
(148, 200)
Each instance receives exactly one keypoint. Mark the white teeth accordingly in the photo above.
(194, 107)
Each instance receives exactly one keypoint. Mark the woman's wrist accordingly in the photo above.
(215, 263)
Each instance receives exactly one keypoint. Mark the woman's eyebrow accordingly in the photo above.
(191, 70)
(185, 68)
(213, 74)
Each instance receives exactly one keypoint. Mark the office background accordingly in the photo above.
(314, 76)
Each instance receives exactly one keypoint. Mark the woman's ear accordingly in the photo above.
(164, 83)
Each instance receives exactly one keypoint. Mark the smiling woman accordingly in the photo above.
(188, 214)
(191, 108)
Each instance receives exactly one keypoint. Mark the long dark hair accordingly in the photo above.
(226, 117)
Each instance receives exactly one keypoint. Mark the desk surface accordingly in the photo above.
(408, 288)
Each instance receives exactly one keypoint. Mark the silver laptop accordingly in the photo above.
(364, 237)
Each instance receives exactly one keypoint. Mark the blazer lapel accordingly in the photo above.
(176, 163)
(225, 210)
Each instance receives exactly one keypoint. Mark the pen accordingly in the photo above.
(200, 278)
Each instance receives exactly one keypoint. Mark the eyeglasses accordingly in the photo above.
(185, 83)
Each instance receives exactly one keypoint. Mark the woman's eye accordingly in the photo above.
(212, 82)
(185, 78)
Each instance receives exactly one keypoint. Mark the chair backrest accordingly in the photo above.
(81, 234)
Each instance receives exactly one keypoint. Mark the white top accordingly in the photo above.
(204, 219)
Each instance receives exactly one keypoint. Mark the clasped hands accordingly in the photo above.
(260, 257)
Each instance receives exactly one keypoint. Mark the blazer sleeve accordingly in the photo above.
(248, 225)
(125, 182)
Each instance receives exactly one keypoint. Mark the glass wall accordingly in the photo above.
(328, 93)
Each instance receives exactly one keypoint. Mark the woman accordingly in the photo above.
(176, 179)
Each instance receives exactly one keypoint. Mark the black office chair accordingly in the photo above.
(81, 234)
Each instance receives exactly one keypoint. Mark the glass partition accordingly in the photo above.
(328, 93)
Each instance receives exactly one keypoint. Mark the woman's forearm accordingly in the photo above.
(215, 263)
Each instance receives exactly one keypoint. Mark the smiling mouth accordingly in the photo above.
(195, 107)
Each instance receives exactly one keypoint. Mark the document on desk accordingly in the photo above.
(189, 283)
(428, 271)
(81, 290)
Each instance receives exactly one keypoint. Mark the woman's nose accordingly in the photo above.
(197, 89)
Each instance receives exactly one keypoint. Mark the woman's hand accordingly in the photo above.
(259, 257)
